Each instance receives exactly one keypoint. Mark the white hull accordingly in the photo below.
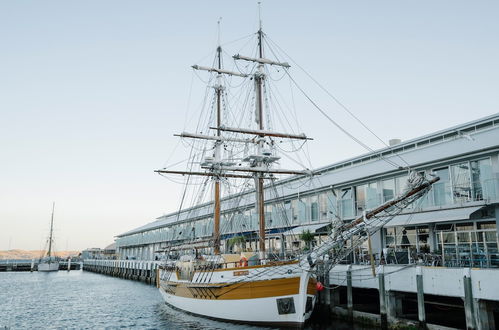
(255, 310)
(48, 266)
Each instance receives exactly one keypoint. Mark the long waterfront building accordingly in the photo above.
(454, 225)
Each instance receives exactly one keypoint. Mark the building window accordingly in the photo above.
(468, 244)
(294, 210)
(323, 206)
(388, 187)
(441, 189)
(314, 208)
(461, 185)
(346, 203)
(481, 176)
(372, 198)
(360, 199)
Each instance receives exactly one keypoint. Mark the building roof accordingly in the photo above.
(449, 134)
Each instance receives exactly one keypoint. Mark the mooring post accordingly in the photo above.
(349, 292)
(327, 290)
(382, 297)
(32, 265)
(158, 273)
(468, 300)
(69, 264)
(420, 294)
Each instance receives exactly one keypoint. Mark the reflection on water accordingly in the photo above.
(85, 300)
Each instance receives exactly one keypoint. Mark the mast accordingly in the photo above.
(216, 210)
(260, 207)
(51, 230)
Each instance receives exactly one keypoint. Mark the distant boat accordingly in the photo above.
(49, 263)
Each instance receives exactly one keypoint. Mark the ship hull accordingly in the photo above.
(274, 300)
(48, 267)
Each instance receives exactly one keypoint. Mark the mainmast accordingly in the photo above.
(216, 211)
(51, 231)
(260, 198)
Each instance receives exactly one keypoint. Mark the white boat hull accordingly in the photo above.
(48, 266)
(261, 302)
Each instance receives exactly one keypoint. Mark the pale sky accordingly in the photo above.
(91, 93)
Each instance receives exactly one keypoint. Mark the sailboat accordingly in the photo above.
(261, 288)
(49, 262)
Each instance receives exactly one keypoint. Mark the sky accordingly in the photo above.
(91, 93)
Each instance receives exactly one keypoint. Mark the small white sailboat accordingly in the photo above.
(49, 263)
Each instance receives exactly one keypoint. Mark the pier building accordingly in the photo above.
(455, 225)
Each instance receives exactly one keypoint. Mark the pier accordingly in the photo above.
(144, 271)
(412, 295)
(32, 265)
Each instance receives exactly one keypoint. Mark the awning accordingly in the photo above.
(462, 213)
(312, 228)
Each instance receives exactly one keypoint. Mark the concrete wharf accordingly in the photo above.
(395, 296)
(30, 265)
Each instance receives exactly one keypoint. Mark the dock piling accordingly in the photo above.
(420, 295)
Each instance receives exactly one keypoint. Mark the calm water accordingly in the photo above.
(84, 300)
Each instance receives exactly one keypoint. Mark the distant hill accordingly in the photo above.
(33, 254)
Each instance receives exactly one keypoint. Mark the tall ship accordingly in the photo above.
(239, 152)
(49, 262)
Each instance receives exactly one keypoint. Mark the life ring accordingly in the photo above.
(243, 262)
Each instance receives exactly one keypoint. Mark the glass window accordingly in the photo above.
(461, 185)
(360, 199)
(323, 210)
(372, 198)
(486, 225)
(294, 210)
(388, 187)
(346, 203)
(401, 184)
(464, 226)
(303, 217)
(314, 208)
(481, 176)
(441, 189)
(332, 204)
(278, 214)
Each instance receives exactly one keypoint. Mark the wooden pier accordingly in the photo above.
(32, 266)
(144, 271)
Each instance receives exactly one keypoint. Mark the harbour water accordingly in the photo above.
(84, 300)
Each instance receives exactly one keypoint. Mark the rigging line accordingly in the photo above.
(189, 100)
(344, 107)
(338, 125)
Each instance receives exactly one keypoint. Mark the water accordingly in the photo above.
(84, 300)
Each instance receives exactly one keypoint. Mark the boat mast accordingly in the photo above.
(51, 230)
(260, 207)
(216, 215)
